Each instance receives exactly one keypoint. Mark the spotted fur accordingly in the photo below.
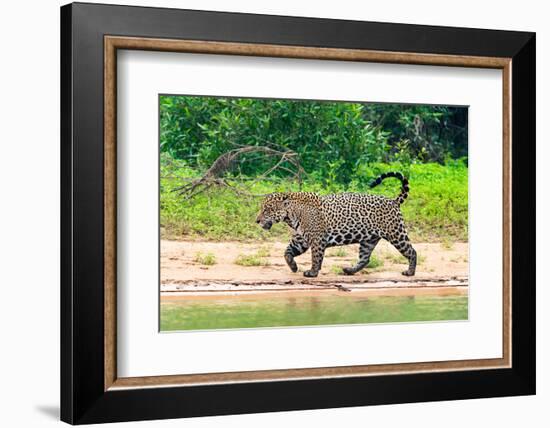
(319, 222)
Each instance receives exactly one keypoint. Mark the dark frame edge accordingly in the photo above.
(341, 393)
(523, 221)
(66, 130)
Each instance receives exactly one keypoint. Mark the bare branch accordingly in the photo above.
(225, 163)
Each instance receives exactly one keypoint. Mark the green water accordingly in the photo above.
(291, 310)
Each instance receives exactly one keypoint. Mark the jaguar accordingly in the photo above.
(319, 222)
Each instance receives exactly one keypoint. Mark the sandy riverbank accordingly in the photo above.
(440, 266)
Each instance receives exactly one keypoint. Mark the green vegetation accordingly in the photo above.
(337, 270)
(337, 252)
(207, 259)
(437, 207)
(398, 259)
(395, 258)
(447, 244)
(263, 252)
(256, 259)
(332, 139)
(375, 262)
(341, 146)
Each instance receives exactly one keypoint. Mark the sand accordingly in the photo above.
(439, 266)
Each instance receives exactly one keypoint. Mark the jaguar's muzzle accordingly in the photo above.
(266, 224)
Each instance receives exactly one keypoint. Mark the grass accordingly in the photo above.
(338, 252)
(436, 210)
(447, 244)
(207, 259)
(256, 259)
(263, 252)
(375, 262)
(337, 270)
(398, 259)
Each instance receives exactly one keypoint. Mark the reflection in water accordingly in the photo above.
(315, 303)
(292, 302)
(258, 310)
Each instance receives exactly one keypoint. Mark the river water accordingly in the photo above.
(307, 309)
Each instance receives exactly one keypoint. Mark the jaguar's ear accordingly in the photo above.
(285, 200)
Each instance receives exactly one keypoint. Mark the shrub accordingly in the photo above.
(337, 252)
(207, 259)
(251, 260)
(375, 262)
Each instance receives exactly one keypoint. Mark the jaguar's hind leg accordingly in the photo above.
(297, 246)
(404, 246)
(365, 250)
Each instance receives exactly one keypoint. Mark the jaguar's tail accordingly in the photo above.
(404, 185)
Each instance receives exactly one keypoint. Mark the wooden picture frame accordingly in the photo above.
(91, 390)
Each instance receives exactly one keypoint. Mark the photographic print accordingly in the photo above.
(284, 212)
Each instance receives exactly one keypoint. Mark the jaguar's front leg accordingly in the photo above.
(296, 247)
(317, 255)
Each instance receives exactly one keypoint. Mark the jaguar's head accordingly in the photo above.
(274, 210)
